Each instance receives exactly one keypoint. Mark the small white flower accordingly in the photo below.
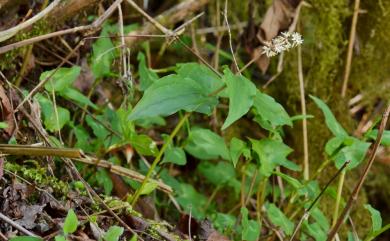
(281, 43)
(297, 38)
(286, 34)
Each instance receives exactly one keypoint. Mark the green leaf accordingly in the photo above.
(330, 120)
(148, 188)
(203, 75)
(71, 222)
(355, 151)
(75, 95)
(175, 155)
(333, 145)
(271, 154)
(205, 144)
(171, 94)
(147, 77)
(3, 125)
(222, 221)
(63, 78)
(271, 111)
(376, 218)
(278, 218)
(113, 233)
(103, 54)
(219, 174)
(144, 145)
(314, 229)
(26, 238)
(104, 180)
(385, 137)
(98, 129)
(52, 123)
(292, 181)
(191, 201)
(320, 218)
(250, 228)
(241, 93)
(60, 238)
(237, 148)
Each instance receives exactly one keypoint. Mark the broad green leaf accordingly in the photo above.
(82, 137)
(219, 174)
(60, 238)
(103, 54)
(241, 93)
(385, 137)
(144, 145)
(222, 221)
(205, 144)
(113, 233)
(63, 78)
(271, 111)
(134, 238)
(191, 200)
(205, 77)
(26, 238)
(250, 228)
(78, 97)
(292, 181)
(271, 154)
(376, 218)
(52, 123)
(146, 76)
(171, 94)
(150, 122)
(330, 120)
(320, 218)
(3, 125)
(175, 155)
(355, 151)
(148, 188)
(278, 218)
(98, 129)
(104, 180)
(333, 145)
(237, 147)
(71, 222)
(314, 229)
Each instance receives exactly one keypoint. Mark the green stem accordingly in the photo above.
(338, 198)
(211, 198)
(261, 198)
(158, 158)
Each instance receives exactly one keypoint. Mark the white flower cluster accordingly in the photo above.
(282, 43)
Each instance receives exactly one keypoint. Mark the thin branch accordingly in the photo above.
(350, 48)
(9, 33)
(304, 121)
(363, 177)
(230, 38)
(94, 26)
(16, 225)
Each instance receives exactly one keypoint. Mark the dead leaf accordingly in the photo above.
(277, 18)
(30, 214)
(7, 113)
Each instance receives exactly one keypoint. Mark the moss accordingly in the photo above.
(39, 176)
(40, 28)
(370, 73)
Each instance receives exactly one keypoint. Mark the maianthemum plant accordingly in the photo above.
(241, 172)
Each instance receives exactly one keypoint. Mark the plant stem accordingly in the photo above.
(338, 197)
(158, 157)
(261, 198)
